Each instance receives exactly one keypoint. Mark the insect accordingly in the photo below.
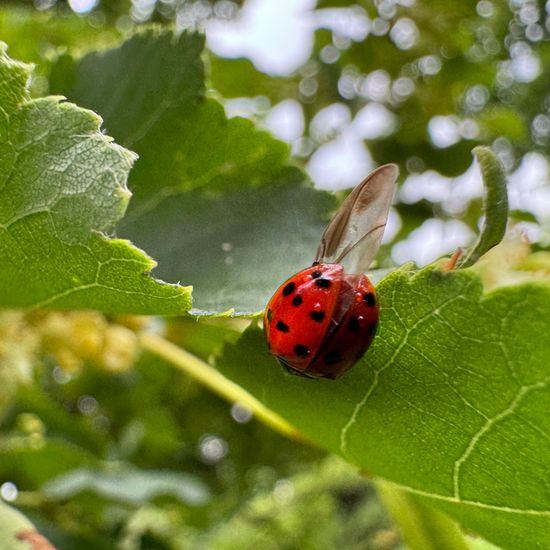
(321, 321)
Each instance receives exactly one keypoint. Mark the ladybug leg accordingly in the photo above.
(451, 264)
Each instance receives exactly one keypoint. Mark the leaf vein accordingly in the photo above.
(477, 504)
(507, 411)
(359, 406)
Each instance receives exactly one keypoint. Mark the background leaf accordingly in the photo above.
(449, 401)
(62, 185)
(213, 198)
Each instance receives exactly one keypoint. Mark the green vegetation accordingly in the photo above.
(143, 231)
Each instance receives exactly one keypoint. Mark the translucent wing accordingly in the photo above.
(353, 236)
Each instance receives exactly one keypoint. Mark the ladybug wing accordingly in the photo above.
(353, 237)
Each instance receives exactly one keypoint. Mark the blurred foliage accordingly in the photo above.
(421, 60)
(472, 71)
(446, 75)
(147, 456)
(128, 12)
(479, 62)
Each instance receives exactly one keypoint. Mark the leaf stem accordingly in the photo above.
(212, 379)
(495, 204)
(422, 527)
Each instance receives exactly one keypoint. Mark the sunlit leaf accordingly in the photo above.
(62, 188)
(450, 401)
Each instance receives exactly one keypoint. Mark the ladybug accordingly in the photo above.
(321, 321)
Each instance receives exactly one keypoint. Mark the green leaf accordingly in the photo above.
(216, 201)
(450, 401)
(239, 78)
(62, 187)
(235, 248)
(170, 83)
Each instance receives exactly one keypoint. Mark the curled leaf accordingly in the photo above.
(495, 205)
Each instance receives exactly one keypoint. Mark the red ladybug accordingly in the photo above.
(322, 320)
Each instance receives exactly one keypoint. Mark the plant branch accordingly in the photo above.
(212, 379)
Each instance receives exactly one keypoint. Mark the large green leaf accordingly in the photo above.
(216, 201)
(62, 187)
(451, 401)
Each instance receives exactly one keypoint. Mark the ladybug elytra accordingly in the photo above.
(322, 320)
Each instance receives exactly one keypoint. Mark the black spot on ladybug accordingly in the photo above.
(372, 328)
(323, 283)
(281, 327)
(332, 357)
(317, 315)
(316, 274)
(297, 301)
(269, 315)
(353, 324)
(288, 289)
(301, 351)
(369, 298)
